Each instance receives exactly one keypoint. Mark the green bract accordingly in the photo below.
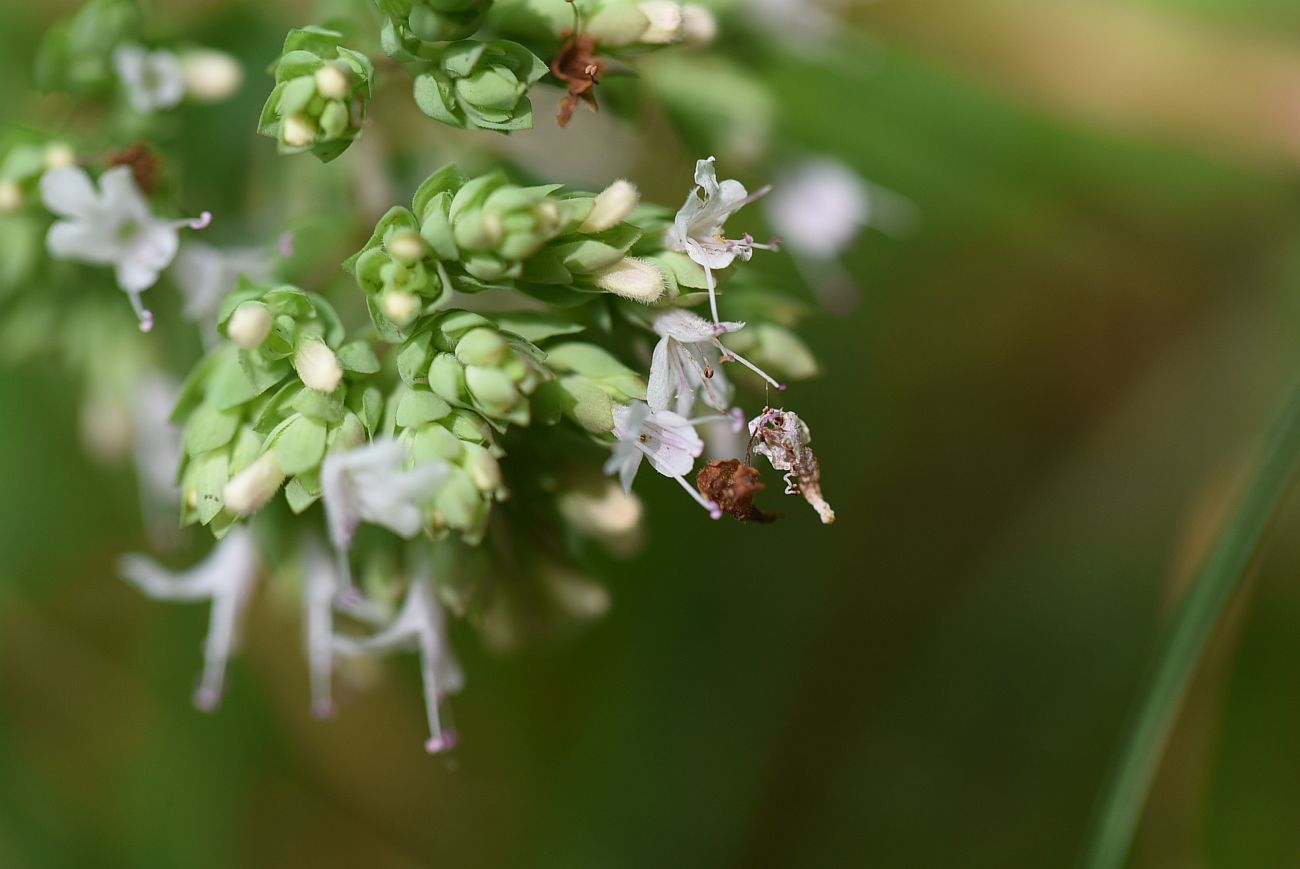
(76, 55)
(467, 361)
(478, 85)
(320, 96)
(433, 430)
(435, 20)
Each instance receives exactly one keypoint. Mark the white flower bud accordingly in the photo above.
(665, 20)
(400, 306)
(317, 366)
(406, 246)
(332, 83)
(298, 131)
(210, 76)
(699, 27)
(252, 487)
(612, 207)
(58, 155)
(249, 325)
(632, 278)
(11, 196)
(608, 513)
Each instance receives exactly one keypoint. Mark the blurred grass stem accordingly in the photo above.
(1180, 652)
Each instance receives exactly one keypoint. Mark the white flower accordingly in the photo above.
(210, 75)
(317, 366)
(249, 325)
(819, 208)
(699, 27)
(111, 226)
(684, 363)
(419, 627)
(664, 19)
(370, 484)
(698, 232)
(153, 79)
(226, 578)
(667, 439)
(205, 275)
(320, 584)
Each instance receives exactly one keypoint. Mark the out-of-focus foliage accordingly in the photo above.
(1043, 400)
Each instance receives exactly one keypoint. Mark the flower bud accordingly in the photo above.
(58, 155)
(665, 18)
(400, 306)
(298, 131)
(317, 366)
(631, 278)
(332, 82)
(611, 208)
(407, 247)
(481, 85)
(699, 27)
(608, 514)
(249, 325)
(482, 346)
(252, 487)
(210, 76)
(11, 196)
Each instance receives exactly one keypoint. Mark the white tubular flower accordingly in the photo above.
(665, 18)
(633, 279)
(320, 588)
(612, 207)
(419, 627)
(819, 208)
(371, 484)
(153, 79)
(317, 366)
(699, 27)
(698, 232)
(111, 226)
(667, 439)
(683, 364)
(209, 75)
(205, 275)
(226, 578)
(250, 489)
(11, 196)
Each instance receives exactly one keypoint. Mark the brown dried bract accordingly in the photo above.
(578, 67)
(732, 486)
(146, 166)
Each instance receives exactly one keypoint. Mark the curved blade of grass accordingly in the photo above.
(1154, 714)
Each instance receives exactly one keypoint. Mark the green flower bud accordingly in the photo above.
(423, 21)
(473, 364)
(397, 269)
(480, 85)
(320, 97)
(589, 381)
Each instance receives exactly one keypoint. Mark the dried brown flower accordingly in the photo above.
(146, 166)
(578, 67)
(732, 486)
(782, 437)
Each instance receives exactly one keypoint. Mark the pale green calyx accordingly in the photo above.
(479, 85)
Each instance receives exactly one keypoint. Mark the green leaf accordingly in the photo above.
(536, 326)
(1199, 612)
(209, 428)
(358, 356)
(299, 445)
(298, 497)
(418, 406)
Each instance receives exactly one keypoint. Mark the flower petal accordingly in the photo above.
(68, 192)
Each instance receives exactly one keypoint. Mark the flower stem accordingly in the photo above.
(1154, 714)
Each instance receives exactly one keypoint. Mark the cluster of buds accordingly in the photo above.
(265, 407)
(467, 361)
(320, 96)
(435, 20)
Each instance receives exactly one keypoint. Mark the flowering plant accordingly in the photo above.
(489, 352)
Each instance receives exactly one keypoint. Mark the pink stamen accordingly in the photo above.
(286, 244)
(202, 221)
(146, 320)
(442, 742)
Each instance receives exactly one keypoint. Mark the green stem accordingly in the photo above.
(1198, 613)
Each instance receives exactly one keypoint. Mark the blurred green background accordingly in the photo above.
(1029, 429)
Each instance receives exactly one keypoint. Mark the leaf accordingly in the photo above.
(300, 444)
(418, 406)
